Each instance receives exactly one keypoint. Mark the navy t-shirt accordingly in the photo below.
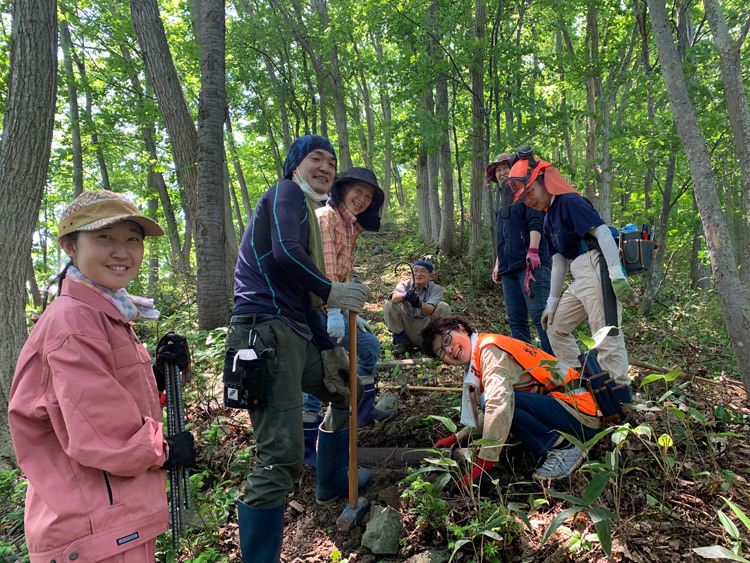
(568, 219)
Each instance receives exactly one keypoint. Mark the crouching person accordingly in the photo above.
(279, 286)
(521, 397)
(411, 306)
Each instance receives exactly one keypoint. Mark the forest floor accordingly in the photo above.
(664, 493)
(668, 471)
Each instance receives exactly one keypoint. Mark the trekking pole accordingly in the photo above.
(174, 505)
(181, 427)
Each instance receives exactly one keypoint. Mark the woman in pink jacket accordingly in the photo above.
(84, 407)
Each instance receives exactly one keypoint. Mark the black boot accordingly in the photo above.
(261, 532)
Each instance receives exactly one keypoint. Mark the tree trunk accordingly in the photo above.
(75, 120)
(385, 106)
(478, 144)
(423, 199)
(331, 74)
(36, 295)
(237, 165)
(24, 159)
(213, 290)
(739, 113)
(180, 259)
(657, 264)
(445, 238)
(170, 98)
(732, 296)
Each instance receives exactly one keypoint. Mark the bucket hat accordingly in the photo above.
(369, 219)
(503, 157)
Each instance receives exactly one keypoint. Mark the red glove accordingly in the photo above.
(532, 257)
(446, 442)
(482, 465)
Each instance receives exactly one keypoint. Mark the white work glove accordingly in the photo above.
(363, 325)
(549, 311)
(335, 325)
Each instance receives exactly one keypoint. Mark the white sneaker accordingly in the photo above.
(559, 463)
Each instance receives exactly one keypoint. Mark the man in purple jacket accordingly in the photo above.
(279, 282)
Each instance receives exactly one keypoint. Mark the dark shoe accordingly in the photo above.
(367, 414)
(333, 466)
(261, 531)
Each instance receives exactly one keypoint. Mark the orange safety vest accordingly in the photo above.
(577, 395)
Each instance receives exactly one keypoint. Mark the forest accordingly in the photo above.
(188, 108)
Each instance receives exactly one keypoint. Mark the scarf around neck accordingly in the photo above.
(131, 307)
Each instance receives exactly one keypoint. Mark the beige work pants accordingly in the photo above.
(396, 320)
(581, 300)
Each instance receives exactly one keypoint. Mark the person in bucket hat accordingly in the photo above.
(576, 234)
(522, 266)
(84, 410)
(355, 204)
(279, 288)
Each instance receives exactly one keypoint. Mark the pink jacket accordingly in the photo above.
(86, 423)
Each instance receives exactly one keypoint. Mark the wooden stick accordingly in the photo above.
(380, 366)
(353, 473)
(419, 388)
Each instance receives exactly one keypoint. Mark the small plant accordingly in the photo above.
(737, 540)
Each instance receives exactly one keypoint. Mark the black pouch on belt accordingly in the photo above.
(609, 396)
(245, 376)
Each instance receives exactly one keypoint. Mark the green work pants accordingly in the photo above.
(293, 366)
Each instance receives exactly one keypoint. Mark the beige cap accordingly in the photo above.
(97, 209)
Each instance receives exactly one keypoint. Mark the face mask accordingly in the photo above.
(305, 187)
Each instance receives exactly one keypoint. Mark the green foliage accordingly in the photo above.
(12, 497)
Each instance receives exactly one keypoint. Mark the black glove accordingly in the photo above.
(413, 299)
(181, 450)
(173, 349)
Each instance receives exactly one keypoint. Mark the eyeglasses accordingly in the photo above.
(447, 339)
(420, 270)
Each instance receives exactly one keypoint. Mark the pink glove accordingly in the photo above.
(527, 282)
(446, 442)
(532, 258)
(482, 465)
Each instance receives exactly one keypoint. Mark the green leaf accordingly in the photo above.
(447, 422)
(729, 526)
(558, 520)
(672, 375)
(595, 487)
(677, 412)
(718, 552)
(604, 533)
(588, 342)
(570, 498)
(697, 415)
(740, 514)
(650, 378)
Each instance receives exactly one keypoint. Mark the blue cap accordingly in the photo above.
(426, 265)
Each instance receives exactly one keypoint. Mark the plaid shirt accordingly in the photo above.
(339, 230)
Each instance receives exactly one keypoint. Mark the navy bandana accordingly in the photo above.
(301, 147)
